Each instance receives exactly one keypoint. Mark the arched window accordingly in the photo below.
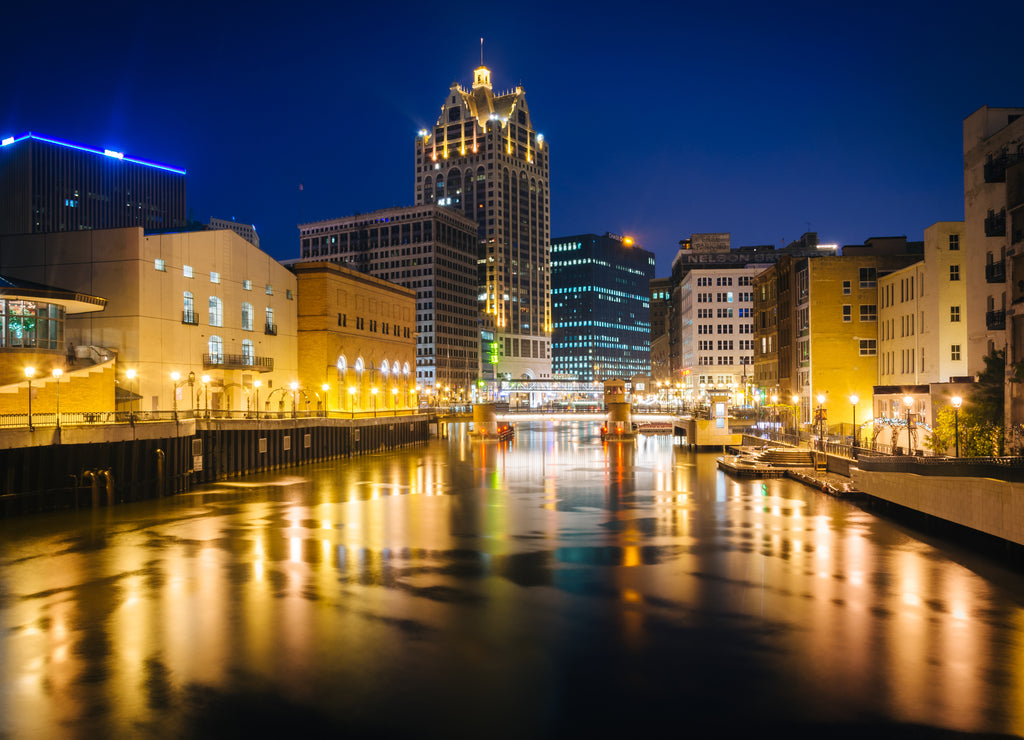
(405, 369)
(247, 315)
(216, 348)
(359, 364)
(248, 355)
(216, 311)
(188, 315)
(395, 368)
(342, 363)
(384, 367)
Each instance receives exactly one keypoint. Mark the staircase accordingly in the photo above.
(786, 458)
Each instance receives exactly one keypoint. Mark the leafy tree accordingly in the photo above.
(980, 419)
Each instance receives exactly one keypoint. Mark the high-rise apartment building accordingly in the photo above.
(717, 335)
(600, 292)
(485, 159)
(432, 250)
(661, 302)
(993, 263)
(48, 185)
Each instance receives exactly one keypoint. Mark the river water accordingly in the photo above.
(552, 587)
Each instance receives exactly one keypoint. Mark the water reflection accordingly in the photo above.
(545, 587)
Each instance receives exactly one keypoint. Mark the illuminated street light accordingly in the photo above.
(352, 400)
(256, 385)
(853, 400)
(821, 420)
(206, 393)
(325, 388)
(909, 402)
(373, 392)
(295, 398)
(175, 376)
(956, 401)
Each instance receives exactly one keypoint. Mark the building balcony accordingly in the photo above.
(238, 362)
(189, 317)
(996, 272)
(995, 167)
(995, 223)
(995, 320)
(270, 329)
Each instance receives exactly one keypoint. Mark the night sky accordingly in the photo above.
(762, 120)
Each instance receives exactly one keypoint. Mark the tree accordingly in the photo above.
(980, 419)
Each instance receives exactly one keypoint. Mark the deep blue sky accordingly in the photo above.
(663, 119)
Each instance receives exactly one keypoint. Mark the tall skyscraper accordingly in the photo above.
(600, 287)
(49, 185)
(485, 158)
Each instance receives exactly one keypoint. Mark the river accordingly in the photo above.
(554, 586)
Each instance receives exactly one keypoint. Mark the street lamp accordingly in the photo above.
(775, 412)
(821, 420)
(325, 388)
(853, 400)
(30, 373)
(174, 392)
(956, 401)
(796, 415)
(57, 372)
(206, 393)
(373, 392)
(256, 385)
(909, 402)
(394, 399)
(295, 398)
(352, 400)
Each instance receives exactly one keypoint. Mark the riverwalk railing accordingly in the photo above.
(81, 418)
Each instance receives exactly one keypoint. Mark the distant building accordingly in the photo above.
(600, 291)
(246, 231)
(48, 185)
(485, 159)
(661, 303)
(993, 255)
(717, 336)
(356, 339)
(431, 250)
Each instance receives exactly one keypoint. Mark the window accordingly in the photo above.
(214, 277)
(188, 315)
(186, 270)
(288, 294)
(247, 315)
(954, 244)
(954, 273)
(248, 355)
(216, 349)
(270, 317)
(847, 312)
(247, 285)
(846, 287)
(954, 352)
(868, 277)
(270, 289)
(954, 314)
(160, 265)
(867, 347)
(869, 312)
(216, 311)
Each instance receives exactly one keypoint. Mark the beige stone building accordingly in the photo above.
(203, 303)
(357, 341)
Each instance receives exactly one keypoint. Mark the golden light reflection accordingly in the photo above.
(296, 549)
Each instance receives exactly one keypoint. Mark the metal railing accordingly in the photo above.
(238, 362)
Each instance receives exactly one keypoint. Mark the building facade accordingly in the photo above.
(485, 159)
(246, 231)
(356, 339)
(661, 303)
(200, 303)
(600, 292)
(431, 250)
(717, 337)
(48, 185)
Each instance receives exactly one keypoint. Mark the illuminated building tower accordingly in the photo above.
(600, 291)
(48, 185)
(484, 158)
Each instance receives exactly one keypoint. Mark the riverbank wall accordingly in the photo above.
(102, 465)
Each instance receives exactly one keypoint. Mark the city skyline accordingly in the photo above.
(763, 122)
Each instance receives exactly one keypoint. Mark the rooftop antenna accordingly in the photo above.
(481, 51)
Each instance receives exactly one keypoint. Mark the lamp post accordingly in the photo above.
(908, 401)
(956, 401)
(373, 392)
(174, 392)
(352, 400)
(130, 375)
(796, 415)
(30, 373)
(206, 394)
(775, 413)
(57, 372)
(256, 385)
(853, 400)
(192, 391)
(295, 398)
(394, 399)
(325, 388)
(821, 420)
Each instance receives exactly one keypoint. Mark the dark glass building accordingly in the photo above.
(601, 306)
(48, 185)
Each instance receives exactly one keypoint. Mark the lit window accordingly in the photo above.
(216, 349)
(247, 314)
(270, 289)
(186, 270)
(214, 277)
(216, 311)
(246, 285)
(160, 265)
(288, 294)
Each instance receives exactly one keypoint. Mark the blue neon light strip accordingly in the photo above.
(112, 154)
